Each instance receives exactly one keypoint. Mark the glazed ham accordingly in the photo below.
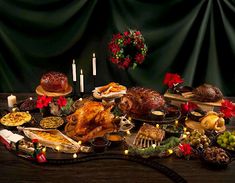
(141, 101)
(54, 82)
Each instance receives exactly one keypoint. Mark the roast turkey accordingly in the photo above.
(141, 101)
(207, 93)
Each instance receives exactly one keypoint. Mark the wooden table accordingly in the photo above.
(15, 169)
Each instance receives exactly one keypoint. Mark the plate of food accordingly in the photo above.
(14, 119)
(111, 90)
(51, 122)
(147, 105)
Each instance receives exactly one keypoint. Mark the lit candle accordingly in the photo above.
(74, 71)
(94, 65)
(11, 100)
(57, 148)
(75, 155)
(81, 82)
(126, 152)
(170, 151)
(176, 122)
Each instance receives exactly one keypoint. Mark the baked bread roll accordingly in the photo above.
(54, 82)
(207, 93)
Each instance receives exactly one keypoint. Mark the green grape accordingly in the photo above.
(231, 138)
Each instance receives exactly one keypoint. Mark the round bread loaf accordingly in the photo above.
(54, 82)
(207, 93)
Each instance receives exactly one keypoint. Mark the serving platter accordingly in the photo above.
(151, 118)
(41, 91)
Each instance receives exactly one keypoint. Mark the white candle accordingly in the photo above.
(11, 100)
(74, 71)
(81, 82)
(94, 65)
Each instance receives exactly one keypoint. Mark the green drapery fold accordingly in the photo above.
(195, 39)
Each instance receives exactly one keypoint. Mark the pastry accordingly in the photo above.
(54, 82)
(15, 118)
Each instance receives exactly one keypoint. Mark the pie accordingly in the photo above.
(15, 118)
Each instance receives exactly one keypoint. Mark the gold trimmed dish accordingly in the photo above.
(51, 122)
(16, 118)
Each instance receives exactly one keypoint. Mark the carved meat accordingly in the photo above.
(207, 93)
(90, 120)
(84, 116)
(140, 101)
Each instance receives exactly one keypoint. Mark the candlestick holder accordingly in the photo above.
(75, 94)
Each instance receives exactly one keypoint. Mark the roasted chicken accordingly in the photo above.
(88, 121)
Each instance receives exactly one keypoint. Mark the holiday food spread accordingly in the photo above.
(139, 122)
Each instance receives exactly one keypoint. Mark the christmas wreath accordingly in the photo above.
(127, 49)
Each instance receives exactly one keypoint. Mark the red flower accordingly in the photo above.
(137, 33)
(139, 58)
(117, 36)
(127, 41)
(126, 62)
(187, 107)
(61, 101)
(126, 33)
(185, 149)
(172, 79)
(43, 101)
(114, 48)
(114, 60)
(227, 108)
(34, 140)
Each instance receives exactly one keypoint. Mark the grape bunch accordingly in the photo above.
(227, 140)
(199, 140)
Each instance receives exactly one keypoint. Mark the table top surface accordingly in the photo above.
(16, 169)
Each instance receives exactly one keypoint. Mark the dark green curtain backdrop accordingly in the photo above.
(194, 38)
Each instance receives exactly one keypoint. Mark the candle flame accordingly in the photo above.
(154, 145)
(57, 148)
(81, 72)
(75, 155)
(73, 61)
(157, 125)
(126, 152)
(44, 149)
(170, 151)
